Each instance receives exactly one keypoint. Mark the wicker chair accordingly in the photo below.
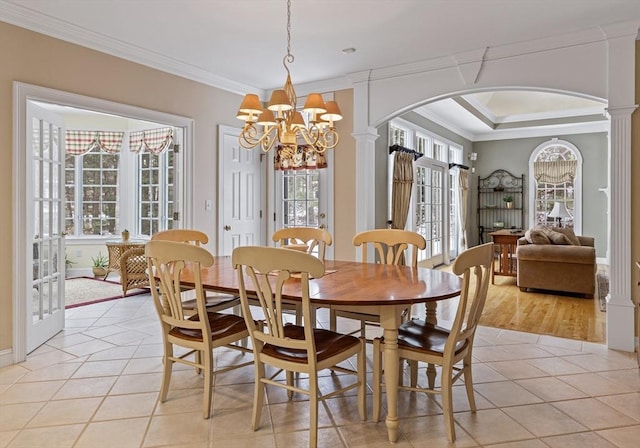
(133, 270)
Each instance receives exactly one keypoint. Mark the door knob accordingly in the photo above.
(322, 226)
(227, 228)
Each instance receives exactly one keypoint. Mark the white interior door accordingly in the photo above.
(241, 193)
(45, 253)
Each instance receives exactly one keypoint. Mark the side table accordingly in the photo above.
(507, 242)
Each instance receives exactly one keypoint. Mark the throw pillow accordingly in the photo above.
(569, 233)
(558, 238)
(536, 236)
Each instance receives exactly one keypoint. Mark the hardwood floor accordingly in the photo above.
(566, 316)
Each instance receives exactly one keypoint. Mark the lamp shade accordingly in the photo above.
(279, 101)
(559, 211)
(314, 104)
(333, 112)
(251, 104)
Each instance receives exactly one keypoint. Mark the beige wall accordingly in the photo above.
(43, 61)
(344, 181)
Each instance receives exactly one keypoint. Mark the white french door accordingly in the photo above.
(45, 225)
(241, 193)
(430, 211)
(302, 198)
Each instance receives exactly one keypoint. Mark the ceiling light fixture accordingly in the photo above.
(282, 122)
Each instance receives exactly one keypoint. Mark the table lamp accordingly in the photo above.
(559, 211)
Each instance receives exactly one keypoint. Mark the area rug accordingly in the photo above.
(86, 290)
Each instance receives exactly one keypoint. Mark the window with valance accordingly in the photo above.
(92, 180)
(555, 168)
(82, 142)
(298, 157)
(155, 141)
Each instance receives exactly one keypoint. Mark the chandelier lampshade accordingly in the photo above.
(281, 122)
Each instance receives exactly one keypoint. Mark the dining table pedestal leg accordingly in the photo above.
(390, 320)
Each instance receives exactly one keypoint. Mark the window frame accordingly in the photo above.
(577, 182)
(451, 152)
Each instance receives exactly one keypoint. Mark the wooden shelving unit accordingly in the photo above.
(491, 207)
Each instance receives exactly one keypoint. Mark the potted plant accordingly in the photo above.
(100, 263)
(125, 235)
(508, 201)
(67, 263)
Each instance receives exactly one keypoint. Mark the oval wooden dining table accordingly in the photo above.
(384, 289)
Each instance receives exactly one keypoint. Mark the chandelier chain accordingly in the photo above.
(289, 57)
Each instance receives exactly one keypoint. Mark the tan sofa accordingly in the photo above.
(558, 267)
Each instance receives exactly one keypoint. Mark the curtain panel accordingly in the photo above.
(298, 157)
(401, 189)
(155, 141)
(81, 142)
(555, 172)
(463, 195)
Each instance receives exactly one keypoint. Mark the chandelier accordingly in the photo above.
(281, 122)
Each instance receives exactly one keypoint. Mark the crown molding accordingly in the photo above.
(26, 18)
(59, 29)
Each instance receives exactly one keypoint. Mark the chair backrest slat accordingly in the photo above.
(310, 236)
(475, 266)
(191, 236)
(269, 270)
(166, 260)
(390, 245)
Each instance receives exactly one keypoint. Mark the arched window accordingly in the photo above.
(555, 170)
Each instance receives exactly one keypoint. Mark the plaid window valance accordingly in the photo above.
(155, 141)
(555, 172)
(81, 142)
(298, 157)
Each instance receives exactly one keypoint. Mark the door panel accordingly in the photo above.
(240, 193)
(45, 166)
(430, 212)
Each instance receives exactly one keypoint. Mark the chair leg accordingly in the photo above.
(313, 410)
(447, 402)
(377, 379)
(289, 376)
(208, 381)
(413, 368)
(431, 375)
(166, 371)
(468, 382)
(333, 320)
(362, 388)
(258, 394)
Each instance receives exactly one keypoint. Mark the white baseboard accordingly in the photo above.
(6, 357)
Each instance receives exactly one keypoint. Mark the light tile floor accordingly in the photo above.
(96, 385)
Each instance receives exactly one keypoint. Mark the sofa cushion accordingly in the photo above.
(569, 233)
(536, 236)
(546, 235)
(550, 253)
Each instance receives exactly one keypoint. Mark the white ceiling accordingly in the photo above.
(239, 44)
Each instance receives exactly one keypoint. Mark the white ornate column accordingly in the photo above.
(365, 137)
(621, 96)
(620, 307)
